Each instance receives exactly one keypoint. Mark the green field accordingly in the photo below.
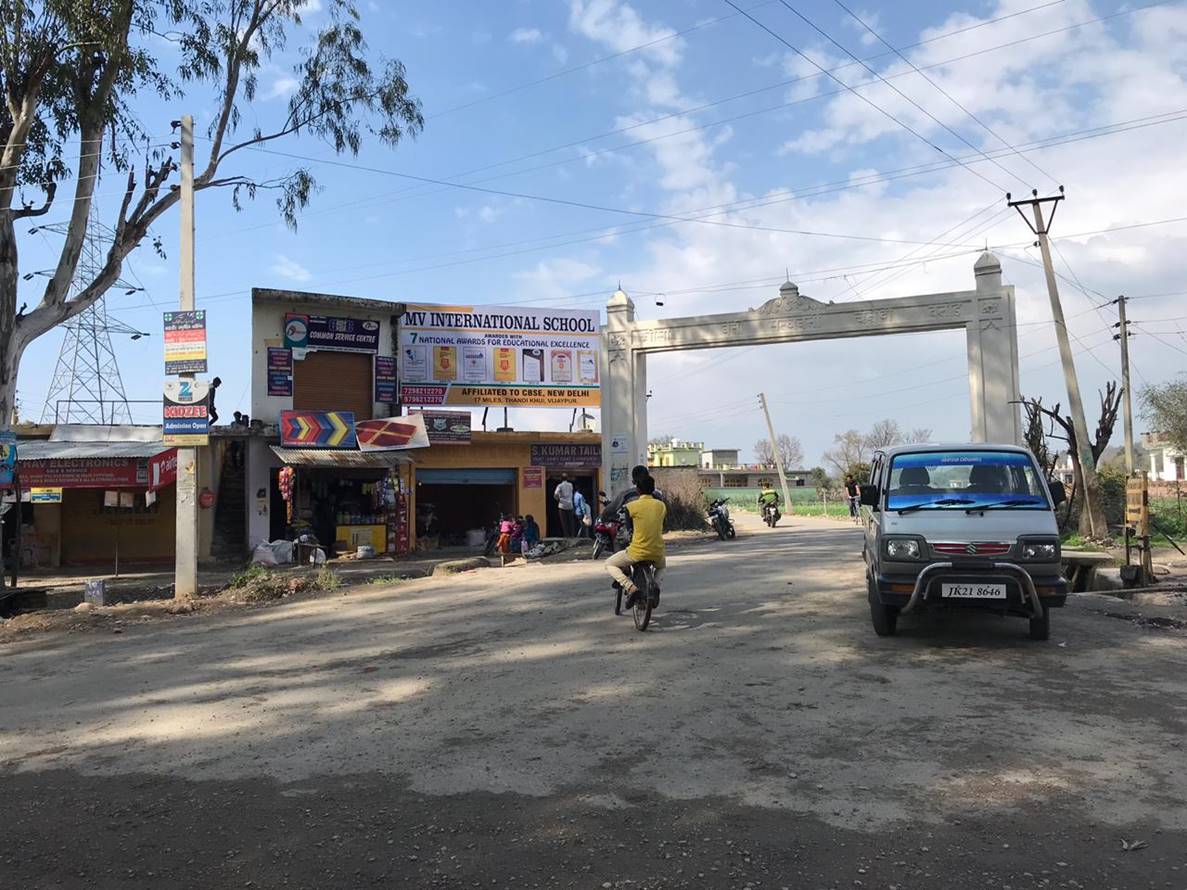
(805, 501)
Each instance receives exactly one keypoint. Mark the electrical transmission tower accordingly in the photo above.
(86, 386)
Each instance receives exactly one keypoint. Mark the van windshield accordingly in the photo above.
(958, 480)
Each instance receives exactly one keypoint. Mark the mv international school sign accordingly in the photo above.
(499, 355)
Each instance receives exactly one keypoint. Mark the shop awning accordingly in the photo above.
(340, 460)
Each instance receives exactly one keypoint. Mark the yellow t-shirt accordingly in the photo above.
(647, 519)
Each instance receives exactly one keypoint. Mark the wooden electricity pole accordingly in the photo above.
(1093, 506)
(1123, 336)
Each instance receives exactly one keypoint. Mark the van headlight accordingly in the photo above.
(1041, 550)
(902, 548)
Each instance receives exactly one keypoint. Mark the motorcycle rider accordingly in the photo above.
(768, 499)
(646, 514)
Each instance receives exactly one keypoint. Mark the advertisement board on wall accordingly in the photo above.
(101, 472)
(385, 380)
(7, 458)
(496, 355)
(305, 332)
(447, 427)
(185, 342)
(280, 371)
(186, 413)
(566, 456)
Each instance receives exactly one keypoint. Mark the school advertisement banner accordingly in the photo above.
(499, 355)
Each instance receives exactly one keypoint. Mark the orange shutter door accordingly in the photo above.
(334, 381)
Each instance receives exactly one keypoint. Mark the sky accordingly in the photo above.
(898, 163)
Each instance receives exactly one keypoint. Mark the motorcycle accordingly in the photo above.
(609, 534)
(719, 519)
(771, 514)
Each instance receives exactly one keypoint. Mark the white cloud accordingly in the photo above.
(560, 53)
(870, 18)
(558, 277)
(283, 87)
(526, 35)
(290, 269)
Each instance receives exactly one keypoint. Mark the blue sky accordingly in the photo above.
(812, 152)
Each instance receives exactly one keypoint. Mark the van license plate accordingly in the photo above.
(973, 591)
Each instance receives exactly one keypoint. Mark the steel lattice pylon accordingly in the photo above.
(86, 386)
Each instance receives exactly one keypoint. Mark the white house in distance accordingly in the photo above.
(719, 459)
(1166, 462)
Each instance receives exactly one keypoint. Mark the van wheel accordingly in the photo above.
(884, 618)
(1040, 627)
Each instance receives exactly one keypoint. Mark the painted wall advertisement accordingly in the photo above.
(185, 342)
(280, 371)
(496, 355)
(186, 413)
(305, 332)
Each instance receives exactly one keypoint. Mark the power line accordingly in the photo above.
(944, 92)
(863, 98)
(896, 90)
(584, 205)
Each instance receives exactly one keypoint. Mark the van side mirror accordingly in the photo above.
(869, 495)
(1058, 492)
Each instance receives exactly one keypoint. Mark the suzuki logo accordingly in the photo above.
(970, 548)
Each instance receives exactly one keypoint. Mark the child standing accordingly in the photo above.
(505, 529)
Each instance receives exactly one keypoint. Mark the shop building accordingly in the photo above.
(93, 495)
(340, 356)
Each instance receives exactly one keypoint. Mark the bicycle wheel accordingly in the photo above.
(642, 608)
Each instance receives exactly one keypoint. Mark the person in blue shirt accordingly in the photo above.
(580, 511)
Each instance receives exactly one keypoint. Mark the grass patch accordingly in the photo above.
(384, 580)
(259, 584)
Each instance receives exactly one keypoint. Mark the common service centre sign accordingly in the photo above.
(499, 355)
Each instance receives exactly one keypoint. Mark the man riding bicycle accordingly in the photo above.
(646, 515)
(853, 492)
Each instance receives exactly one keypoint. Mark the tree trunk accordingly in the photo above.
(1092, 513)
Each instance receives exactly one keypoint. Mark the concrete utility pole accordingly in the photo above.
(1123, 337)
(186, 573)
(1093, 506)
(762, 398)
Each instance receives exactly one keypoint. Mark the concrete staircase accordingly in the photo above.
(230, 518)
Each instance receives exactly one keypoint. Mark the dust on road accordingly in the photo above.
(505, 727)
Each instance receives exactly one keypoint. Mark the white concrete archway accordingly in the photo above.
(986, 313)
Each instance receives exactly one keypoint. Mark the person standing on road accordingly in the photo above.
(580, 514)
(563, 495)
(853, 492)
(646, 515)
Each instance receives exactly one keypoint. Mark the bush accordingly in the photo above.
(686, 499)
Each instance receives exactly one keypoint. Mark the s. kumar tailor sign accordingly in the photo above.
(494, 355)
(303, 332)
(571, 456)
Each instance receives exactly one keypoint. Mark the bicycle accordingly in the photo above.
(647, 598)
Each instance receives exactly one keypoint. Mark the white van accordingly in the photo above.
(962, 526)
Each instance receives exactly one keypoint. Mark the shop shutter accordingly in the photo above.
(334, 381)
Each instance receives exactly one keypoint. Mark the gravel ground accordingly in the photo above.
(504, 729)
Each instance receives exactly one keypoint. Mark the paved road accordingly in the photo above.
(504, 729)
